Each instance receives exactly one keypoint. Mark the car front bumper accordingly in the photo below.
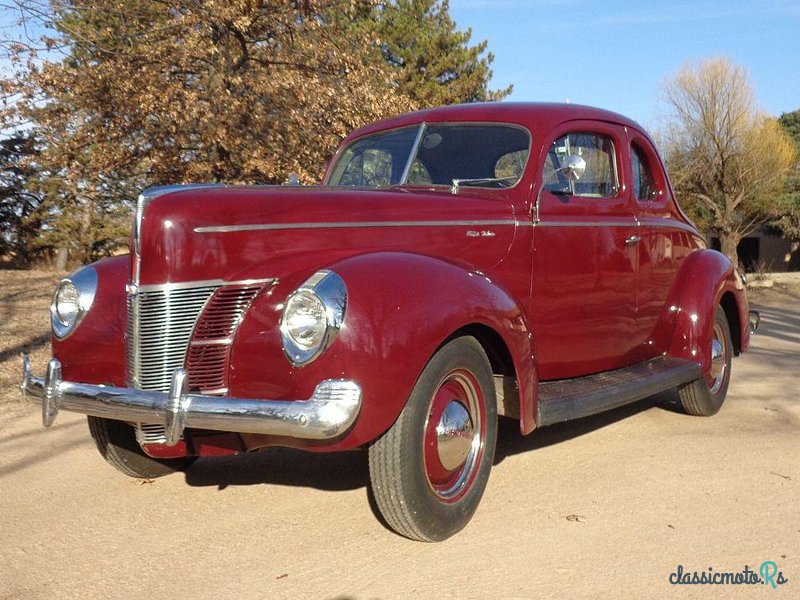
(331, 410)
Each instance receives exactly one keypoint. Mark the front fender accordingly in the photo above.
(705, 279)
(401, 308)
(95, 352)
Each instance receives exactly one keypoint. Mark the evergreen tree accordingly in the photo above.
(432, 61)
(789, 222)
(19, 225)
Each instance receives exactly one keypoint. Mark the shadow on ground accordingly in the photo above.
(27, 346)
(336, 471)
(349, 470)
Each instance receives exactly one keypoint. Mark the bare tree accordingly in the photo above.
(726, 159)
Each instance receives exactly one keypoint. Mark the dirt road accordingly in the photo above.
(607, 506)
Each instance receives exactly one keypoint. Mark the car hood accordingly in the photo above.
(233, 233)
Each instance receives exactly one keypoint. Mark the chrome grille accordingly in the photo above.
(150, 433)
(160, 324)
(209, 352)
(225, 311)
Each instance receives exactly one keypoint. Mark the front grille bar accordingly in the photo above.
(160, 326)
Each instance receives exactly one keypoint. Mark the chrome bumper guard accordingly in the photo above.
(331, 410)
(755, 320)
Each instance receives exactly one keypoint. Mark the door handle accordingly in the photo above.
(634, 239)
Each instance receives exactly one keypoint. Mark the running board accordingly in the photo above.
(568, 399)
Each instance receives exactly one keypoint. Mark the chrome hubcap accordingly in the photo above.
(719, 360)
(454, 436)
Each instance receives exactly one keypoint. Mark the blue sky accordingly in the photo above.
(616, 54)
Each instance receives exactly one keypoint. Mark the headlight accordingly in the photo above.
(73, 298)
(312, 316)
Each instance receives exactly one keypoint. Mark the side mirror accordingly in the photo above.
(573, 167)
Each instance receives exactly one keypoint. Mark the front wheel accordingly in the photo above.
(116, 442)
(429, 471)
(704, 397)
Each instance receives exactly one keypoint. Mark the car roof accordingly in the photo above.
(536, 116)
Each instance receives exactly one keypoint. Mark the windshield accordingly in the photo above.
(492, 156)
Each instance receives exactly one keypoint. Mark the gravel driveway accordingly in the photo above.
(607, 506)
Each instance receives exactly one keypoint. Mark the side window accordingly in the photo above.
(372, 168)
(511, 165)
(598, 180)
(644, 186)
(375, 161)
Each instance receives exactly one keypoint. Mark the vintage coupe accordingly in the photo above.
(459, 263)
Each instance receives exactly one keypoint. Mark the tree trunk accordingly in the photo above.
(728, 243)
(86, 233)
(62, 255)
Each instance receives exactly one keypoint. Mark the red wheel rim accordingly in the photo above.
(455, 433)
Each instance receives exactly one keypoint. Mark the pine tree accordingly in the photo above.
(19, 225)
(432, 60)
(789, 222)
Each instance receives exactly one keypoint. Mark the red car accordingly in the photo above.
(459, 263)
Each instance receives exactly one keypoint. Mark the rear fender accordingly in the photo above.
(707, 279)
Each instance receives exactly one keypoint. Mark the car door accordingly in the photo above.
(585, 246)
(661, 239)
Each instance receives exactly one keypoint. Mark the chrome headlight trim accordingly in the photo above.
(329, 289)
(84, 283)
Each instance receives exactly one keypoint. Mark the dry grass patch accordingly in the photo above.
(24, 327)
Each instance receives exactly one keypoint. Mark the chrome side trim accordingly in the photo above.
(640, 224)
(331, 410)
(666, 224)
(630, 223)
(347, 225)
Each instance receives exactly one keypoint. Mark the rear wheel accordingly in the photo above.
(704, 397)
(429, 471)
(116, 442)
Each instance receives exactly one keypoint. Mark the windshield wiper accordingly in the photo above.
(457, 183)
